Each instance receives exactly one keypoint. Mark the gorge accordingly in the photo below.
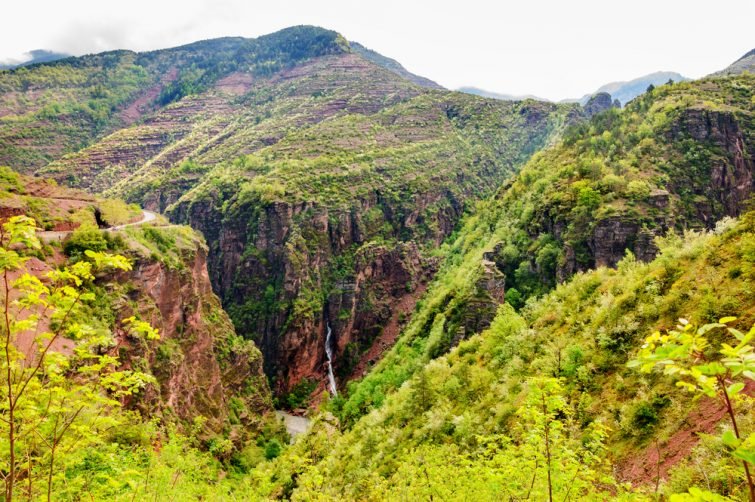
(297, 271)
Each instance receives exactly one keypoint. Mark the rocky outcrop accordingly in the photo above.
(731, 171)
(490, 290)
(202, 367)
(612, 237)
(359, 307)
(600, 102)
(287, 270)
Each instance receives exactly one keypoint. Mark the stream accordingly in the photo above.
(329, 353)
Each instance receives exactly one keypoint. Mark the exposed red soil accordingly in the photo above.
(60, 201)
(657, 460)
(236, 83)
(66, 226)
(37, 187)
(390, 332)
(143, 104)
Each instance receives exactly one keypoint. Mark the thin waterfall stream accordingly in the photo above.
(329, 353)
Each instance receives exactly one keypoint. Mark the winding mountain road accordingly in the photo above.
(59, 235)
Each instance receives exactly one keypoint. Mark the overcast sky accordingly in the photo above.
(551, 48)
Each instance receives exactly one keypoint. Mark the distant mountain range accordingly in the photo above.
(495, 95)
(628, 90)
(35, 56)
(624, 91)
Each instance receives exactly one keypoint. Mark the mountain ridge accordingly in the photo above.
(624, 90)
(246, 140)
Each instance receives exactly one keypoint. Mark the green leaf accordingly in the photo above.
(729, 439)
(711, 369)
(735, 388)
(746, 454)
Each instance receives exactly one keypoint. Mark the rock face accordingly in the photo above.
(203, 368)
(273, 276)
(731, 173)
(600, 102)
(359, 306)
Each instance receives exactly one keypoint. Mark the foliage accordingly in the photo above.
(686, 354)
(59, 382)
(116, 212)
(300, 394)
(83, 239)
(542, 225)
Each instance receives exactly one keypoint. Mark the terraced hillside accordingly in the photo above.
(322, 182)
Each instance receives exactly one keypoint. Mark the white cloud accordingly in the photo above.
(554, 49)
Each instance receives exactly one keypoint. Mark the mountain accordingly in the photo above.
(200, 366)
(744, 64)
(321, 180)
(586, 243)
(625, 91)
(494, 95)
(516, 299)
(34, 57)
(392, 65)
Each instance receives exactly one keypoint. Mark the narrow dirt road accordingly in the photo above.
(59, 235)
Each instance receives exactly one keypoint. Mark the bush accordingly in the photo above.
(82, 239)
(299, 395)
(272, 449)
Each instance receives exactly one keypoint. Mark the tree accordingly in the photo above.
(687, 353)
(573, 461)
(53, 399)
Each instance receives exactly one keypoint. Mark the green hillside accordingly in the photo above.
(467, 298)
(307, 166)
(611, 185)
(468, 411)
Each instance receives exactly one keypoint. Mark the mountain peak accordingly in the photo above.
(741, 65)
(392, 65)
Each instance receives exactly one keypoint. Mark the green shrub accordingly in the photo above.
(82, 239)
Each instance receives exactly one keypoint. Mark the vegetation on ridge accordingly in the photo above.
(540, 229)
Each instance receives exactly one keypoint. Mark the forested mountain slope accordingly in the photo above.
(466, 422)
(680, 158)
(321, 180)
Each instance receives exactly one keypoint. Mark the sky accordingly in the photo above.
(550, 48)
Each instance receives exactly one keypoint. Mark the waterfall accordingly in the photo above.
(329, 353)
